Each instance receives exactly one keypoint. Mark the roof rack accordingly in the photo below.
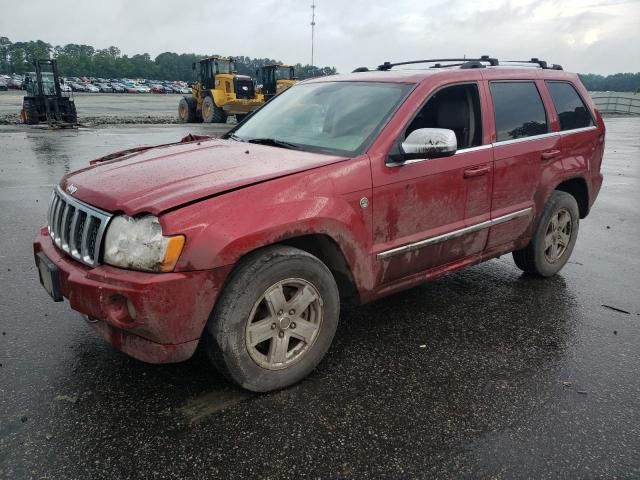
(481, 62)
(541, 63)
(466, 62)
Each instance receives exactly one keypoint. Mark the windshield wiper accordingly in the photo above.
(233, 136)
(274, 143)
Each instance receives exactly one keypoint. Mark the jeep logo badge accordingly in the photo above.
(72, 189)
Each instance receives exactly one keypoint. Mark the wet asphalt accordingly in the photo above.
(486, 373)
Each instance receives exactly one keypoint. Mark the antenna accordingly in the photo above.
(313, 26)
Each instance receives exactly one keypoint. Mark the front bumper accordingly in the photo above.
(154, 317)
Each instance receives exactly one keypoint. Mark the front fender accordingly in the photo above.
(223, 229)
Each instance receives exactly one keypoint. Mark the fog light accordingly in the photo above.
(118, 310)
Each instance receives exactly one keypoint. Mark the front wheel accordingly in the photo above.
(275, 319)
(211, 113)
(554, 238)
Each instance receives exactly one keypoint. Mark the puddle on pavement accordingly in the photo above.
(199, 408)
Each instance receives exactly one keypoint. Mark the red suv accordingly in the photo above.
(348, 187)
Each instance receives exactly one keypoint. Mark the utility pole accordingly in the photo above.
(313, 26)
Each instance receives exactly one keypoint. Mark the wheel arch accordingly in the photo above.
(577, 187)
(327, 250)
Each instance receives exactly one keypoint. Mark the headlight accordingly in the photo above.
(138, 244)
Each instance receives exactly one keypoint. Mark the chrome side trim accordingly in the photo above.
(526, 139)
(454, 234)
(578, 130)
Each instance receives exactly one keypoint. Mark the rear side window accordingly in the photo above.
(572, 111)
(518, 109)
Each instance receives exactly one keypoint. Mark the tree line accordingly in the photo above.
(619, 82)
(75, 60)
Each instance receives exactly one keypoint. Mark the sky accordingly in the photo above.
(586, 36)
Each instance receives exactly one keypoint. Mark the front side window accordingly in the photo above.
(331, 117)
(519, 111)
(456, 108)
(571, 110)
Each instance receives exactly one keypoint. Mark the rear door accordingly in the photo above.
(523, 140)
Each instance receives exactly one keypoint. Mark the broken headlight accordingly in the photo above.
(137, 243)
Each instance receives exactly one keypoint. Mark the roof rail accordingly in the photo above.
(541, 63)
(467, 62)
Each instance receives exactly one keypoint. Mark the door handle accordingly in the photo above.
(477, 171)
(550, 154)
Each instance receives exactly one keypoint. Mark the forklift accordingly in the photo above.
(219, 92)
(274, 79)
(44, 102)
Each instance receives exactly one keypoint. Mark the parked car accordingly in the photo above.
(104, 88)
(117, 88)
(65, 87)
(79, 87)
(92, 88)
(142, 89)
(342, 188)
(157, 88)
(3, 85)
(16, 82)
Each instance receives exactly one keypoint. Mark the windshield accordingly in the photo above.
(332, 117)
(283, 73)
(48, 86)
(224, 66)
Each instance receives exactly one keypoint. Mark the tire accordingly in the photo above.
(212, 113)
(187, 110)
(245, 330)
(554, 238)
(73, 114)
(31, 116)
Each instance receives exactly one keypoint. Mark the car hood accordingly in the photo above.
(166, 177)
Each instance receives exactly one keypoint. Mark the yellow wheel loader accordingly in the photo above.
(219, 92)
(274, 79)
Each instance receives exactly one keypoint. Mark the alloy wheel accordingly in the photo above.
(558, 235)
(284, 323)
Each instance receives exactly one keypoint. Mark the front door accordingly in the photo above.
(426, 211)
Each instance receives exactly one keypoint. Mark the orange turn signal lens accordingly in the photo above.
(172, 253)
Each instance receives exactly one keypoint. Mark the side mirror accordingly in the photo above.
(429, 143)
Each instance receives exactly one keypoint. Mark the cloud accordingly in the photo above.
(585, 36)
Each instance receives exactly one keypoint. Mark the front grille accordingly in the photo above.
(244, 88)
(77, 228)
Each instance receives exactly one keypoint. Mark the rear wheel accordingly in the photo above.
(30, 114)
(554, 238)
(187, 110)
(275, 319)
(73, 114)
(212, 113)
